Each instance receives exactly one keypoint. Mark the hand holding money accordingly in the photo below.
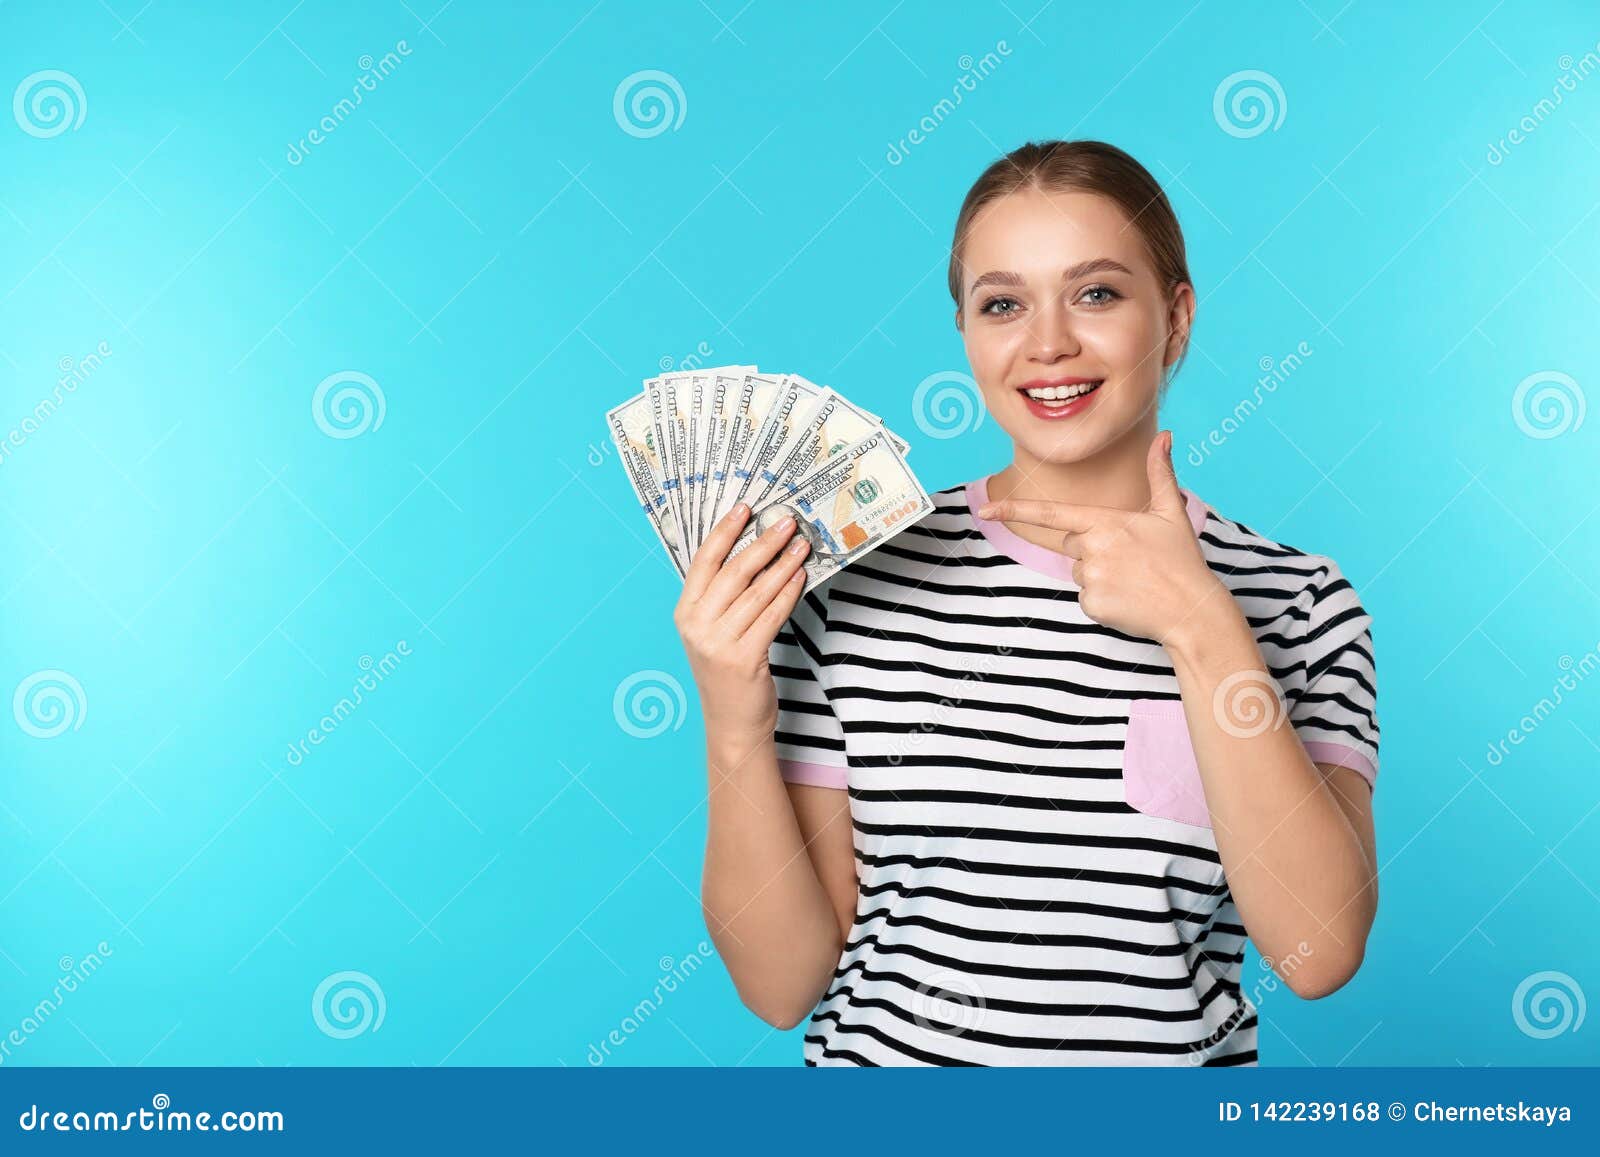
(697, 443)
(729, 613)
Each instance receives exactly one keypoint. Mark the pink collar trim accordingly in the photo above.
(1040, 558)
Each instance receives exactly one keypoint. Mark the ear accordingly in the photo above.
(1180, 322)
(1165, 496)
(958, 321)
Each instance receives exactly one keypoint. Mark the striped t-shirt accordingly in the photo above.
(1038, 878)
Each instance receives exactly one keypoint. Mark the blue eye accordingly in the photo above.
(988, 306)
(1110, 294)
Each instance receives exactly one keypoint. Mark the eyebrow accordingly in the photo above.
(1082, 269)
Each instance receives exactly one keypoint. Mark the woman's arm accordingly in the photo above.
(772, 852)
(1295, 838)
(824, 817)
(775, 855)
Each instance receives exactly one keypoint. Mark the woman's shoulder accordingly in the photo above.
(1249, 559)
(1294, 598)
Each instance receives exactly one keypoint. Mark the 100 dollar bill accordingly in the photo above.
(794, 401)
(854, 502)
(728, 476)
(637, 439)
(832, 424)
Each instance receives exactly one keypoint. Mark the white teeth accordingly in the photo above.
(1060, 393)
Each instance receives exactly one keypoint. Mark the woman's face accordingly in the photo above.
(1061, 300)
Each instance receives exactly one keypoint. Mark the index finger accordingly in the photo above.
(713, 551)
(1046, 513)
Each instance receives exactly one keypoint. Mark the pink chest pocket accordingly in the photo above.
(1160, 776)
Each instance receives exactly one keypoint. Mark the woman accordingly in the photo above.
(1013, 788)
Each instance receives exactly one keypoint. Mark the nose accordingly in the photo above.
(1050, 336)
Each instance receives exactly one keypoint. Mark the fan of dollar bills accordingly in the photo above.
(696, 443)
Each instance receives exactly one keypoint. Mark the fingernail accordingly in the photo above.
(797, 546)
(986, 510)
(740, 509)
(785, 525)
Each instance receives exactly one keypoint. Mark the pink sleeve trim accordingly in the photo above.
(1341, 755)
(812, 774)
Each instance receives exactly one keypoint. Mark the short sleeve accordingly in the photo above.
(1336, 716)
(809, 738)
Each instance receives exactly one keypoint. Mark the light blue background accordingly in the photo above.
(481, 237)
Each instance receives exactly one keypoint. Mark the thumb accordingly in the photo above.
(1165, 497)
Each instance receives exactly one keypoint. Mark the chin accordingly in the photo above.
(1062, 450)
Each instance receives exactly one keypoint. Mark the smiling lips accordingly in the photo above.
(1061, 398)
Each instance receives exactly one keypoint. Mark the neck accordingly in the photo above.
(1114, 477)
